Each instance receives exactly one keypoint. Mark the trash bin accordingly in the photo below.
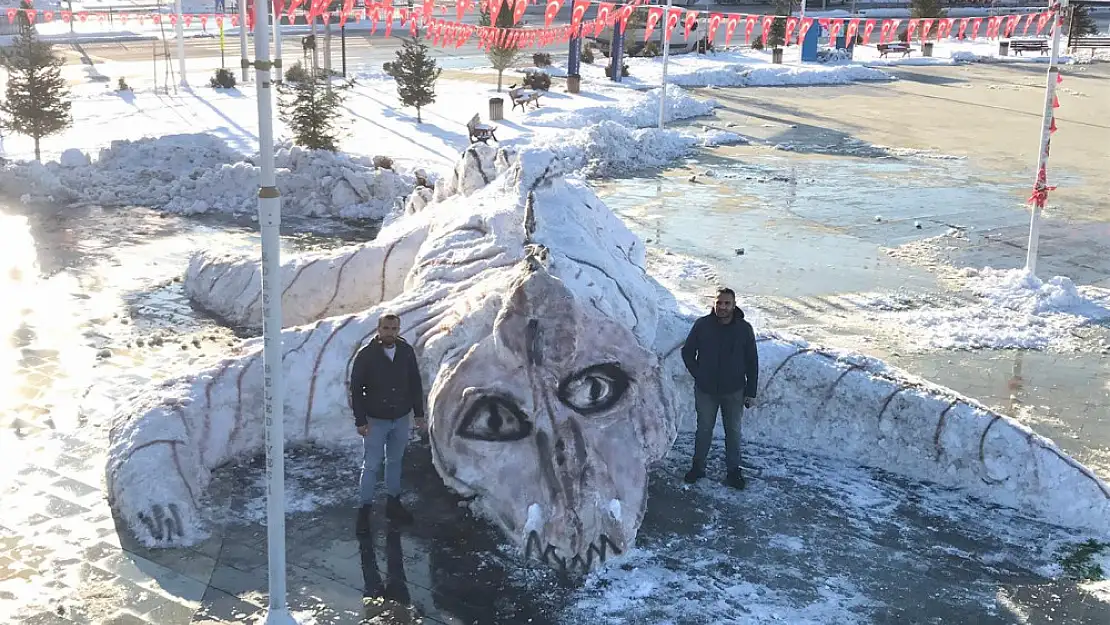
(1003, 48)
(573, 83)
(776, 56)
(496, 109)
(927, 48)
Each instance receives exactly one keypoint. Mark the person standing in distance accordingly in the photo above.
(720, 353)
(386, 394)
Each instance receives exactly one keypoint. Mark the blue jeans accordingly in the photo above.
(386, 440)
(732, 410)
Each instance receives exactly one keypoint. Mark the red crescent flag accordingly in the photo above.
(654, 15)
(11, 15)
(730, 27)
(604, 16)
(519, 6)
(803, 27)
(926, 27)
(550, 12)
(1028, 23)
(388, 17)
(749, 28)
(993, 24)
(577, 13)
(765, 26)
(293, 5)
(1012, 24)
(672, 22)
(688, 23)
(975, 24)
(714, 24)
(835, 27)
(30, 15)
(868, 28)
(625, 13)
(963, 26)
(1042, 20)
(894, 24)
(852, 30)
(944, 28)
(884, 33)
(791, 26)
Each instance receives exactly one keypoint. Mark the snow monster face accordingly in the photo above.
(550, 423)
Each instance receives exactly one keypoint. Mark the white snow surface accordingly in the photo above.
(818, 400)
(1013, 309)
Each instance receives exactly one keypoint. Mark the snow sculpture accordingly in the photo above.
(535, 322)
(554, 375)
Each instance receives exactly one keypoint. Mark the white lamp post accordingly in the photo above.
(1040, 183)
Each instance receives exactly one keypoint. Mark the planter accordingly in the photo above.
(496, 109)
(776, 56)
(927, 48)
(573, 84)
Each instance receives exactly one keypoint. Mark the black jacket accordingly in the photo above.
(386, 389)
(722, 357)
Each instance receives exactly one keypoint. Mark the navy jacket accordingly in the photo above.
(386, 389)
(722, 357)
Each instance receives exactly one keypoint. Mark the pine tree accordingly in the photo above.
(1082, 23)
(37, 101)
(415, 72)
(502, 57)
(777, 36)
(311, 110)
(927, 9)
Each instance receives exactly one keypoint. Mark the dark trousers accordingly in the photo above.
(732, 410)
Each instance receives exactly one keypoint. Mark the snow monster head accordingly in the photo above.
(550, 423)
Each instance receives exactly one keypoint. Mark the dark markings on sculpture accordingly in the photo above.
(208, 405)
(315, 369)
(494, 417)
(543, 447)
(529, 217)
(782, 364)
(597, 553)
(594, 389)
(832, 389)
(982, 454)
(296, 275)
(886, 402)
(338, 281)
(238, 427)
(535, 349)
(616, 283)
(940, 428)
(385, 263)
(157, 520)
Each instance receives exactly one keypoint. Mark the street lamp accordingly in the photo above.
(269, 221)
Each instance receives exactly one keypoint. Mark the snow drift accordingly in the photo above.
(517, 269)
(198, 173)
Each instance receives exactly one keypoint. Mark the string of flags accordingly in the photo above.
(444, 33)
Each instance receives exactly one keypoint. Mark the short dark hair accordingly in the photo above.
(389, 317)
(726, 291)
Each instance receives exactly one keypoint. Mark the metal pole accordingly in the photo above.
(803, 11)
(666, 55)
(343, 46)
(1039, 177)
(278, 71)
(269, 221)
(327, 52)
(244, 62)
(180, 28)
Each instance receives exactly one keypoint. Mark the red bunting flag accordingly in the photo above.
(714, 24)
(1011, 25)
(868, 28)
(749, 28)
(853, 30)
(625, 14)
(519, 6)
(963, 26)
(688, 24)
(1055, 102)
(672, 23)
(803, 28)
(30, 15)
(1032, 17)
(765, 26)
(975, 24)
(1042, 20)
(1052, 125)
(791, 26)
(730, 27)
(911, 29)
(654, 15)
(1059, 79)
(577, 13)
(926, 27)
(835, 26)
(604, 16)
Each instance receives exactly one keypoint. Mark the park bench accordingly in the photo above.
(1091, 42)
(1029, 45)
(522, 97)
(886, 48)
(479, 131)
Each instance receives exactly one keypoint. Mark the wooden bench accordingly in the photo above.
(522, 97)
(1029, 45)
(479, 131)
(886, 48)
(1091, 42)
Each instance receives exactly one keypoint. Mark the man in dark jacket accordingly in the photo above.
(386, 393)
(720, 353)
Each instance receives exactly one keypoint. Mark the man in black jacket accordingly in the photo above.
(386, 394)
(720, 353)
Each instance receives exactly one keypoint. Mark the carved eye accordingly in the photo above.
(595, 388)
(495, 418)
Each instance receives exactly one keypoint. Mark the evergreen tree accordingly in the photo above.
(777, 37)
(1082, 23)
(927, 9)
(502, 57)
(311, 110)
(415, 72)
(37, 101)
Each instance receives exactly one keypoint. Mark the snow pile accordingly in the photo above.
(1015, 310)
(632, 108)
(199, 173)
(737, 69)
(611, 149)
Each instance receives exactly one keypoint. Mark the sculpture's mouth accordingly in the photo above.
(596, 553)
